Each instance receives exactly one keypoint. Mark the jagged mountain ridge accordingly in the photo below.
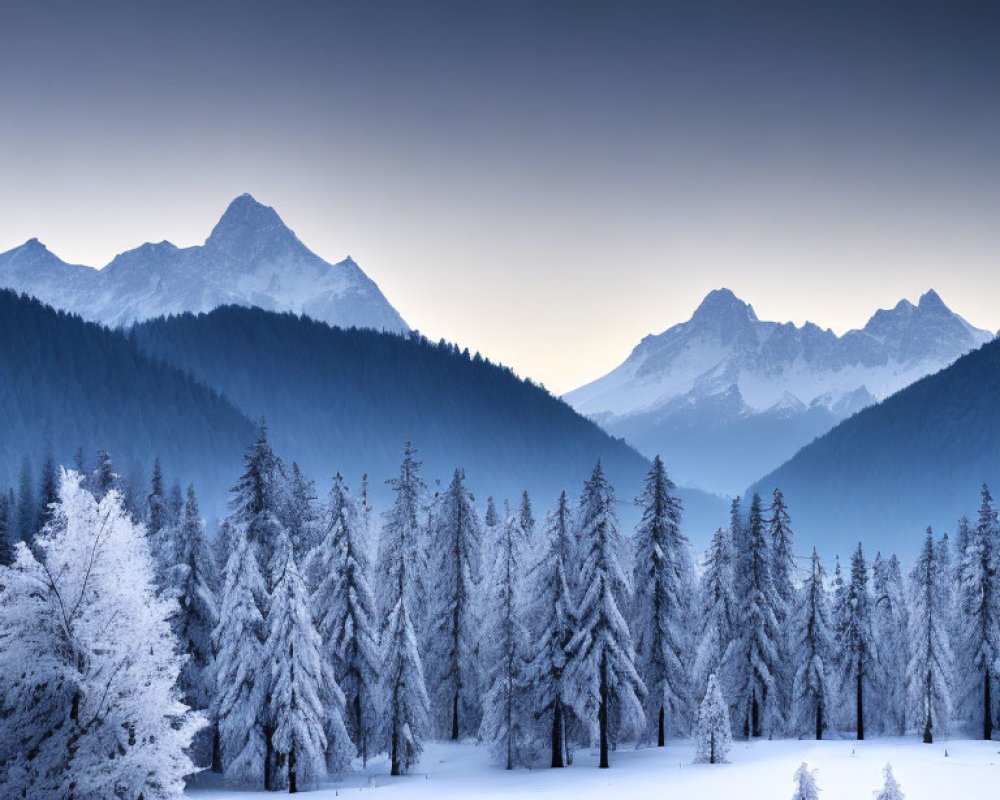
(726, 397)
(251, 258)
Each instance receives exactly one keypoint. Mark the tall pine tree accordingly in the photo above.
(859, 651)
(812, 693)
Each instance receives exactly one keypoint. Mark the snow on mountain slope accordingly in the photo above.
(728, 384)
(250, 259)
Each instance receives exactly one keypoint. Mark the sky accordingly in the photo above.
(544, 182)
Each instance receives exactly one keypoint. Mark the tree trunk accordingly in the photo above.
(602, 716)
(395, 752)
(216, 750)
(860, 705)
(454, 717)
(819, 721)
(661, 735)
(987, 707)
(711, 748)
(755, 718)
(268, 757)
(293, 785)
(928, 733)
(557, 746)
(362, 744)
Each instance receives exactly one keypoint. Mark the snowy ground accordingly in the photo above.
(761, 770)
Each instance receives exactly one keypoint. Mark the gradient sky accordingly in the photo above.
(545, 182)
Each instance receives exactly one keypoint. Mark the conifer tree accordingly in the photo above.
(453, 637)
(48, 491)
(890, 789)
(506, 724)
(339, 570)
(405, 705)
(713, 734)
(931, 660)
(717, 612)
(552, 610)
(300, 514)
(859, 652)
(527, 517)
(756, 657)
(783, 568)
(660, 610)
(812, 695)
(103, 477)
(602, 653)
(8, 510)
(805, 784)
(27, 508)
(890, 622)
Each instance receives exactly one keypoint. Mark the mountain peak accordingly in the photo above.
(931, 300)
(248, 227)
(723, 304)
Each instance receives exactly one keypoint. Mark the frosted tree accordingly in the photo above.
(339, 569)
(102, 478)
(88, 663)
(27, 505)
(602, 663)
(931, 659)
(890, 789)
(299, 682)
(258, 499)
(405, 706)
(507, 721)
(48, 491)
(890, 622)
(783, 576)
(812, 693)
(453, 630)
(8, 527)
(713, 731)
(978, 635)
(551, 609)
(157, 512)
(195, 587)
(756, 647)
(241, 670)
(805, 784)
(527, 519)
(300, 514)
(858, 650)
(717, 610)
(661, 606)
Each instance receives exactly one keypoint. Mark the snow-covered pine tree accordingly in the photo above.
(931, 660)
(339, 570)
(859, 651)
(507, 714)
(978, 642)
(195, 587)
(717, 610)
(8, 532)
(527, 517)
(451, 657)
(48, 490)
(756, 648)
(890, 789)
(156, 500)
(805, 784)
(890, 622)
(299, 681)
(103, 477)
(405, 707)
(713, 733)
(602, 656)
(551, 608)
(779, 524)
(27, 506)
(661, 606)
(241, 670)
(88, 663)
(300, 514)
(812, 695)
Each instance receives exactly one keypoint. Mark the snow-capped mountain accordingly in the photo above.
(725, 397)
(250, 259)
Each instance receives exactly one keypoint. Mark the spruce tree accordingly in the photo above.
(805, 784)
(48, 490)
(660, 610)
(405, 705)
(890, 789)
(552, 610)
(300, 514)
(859, 651)
(713, 735)
(890, 621)
(527, 517)
(812, 694)
(930, 664)
(339, 571)
(8, 509)
(27, 507)
(103, 477)
(717, 612)
(602, 653)
(783, 575)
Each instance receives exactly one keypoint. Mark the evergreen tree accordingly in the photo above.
(812, 695)
(551, 608)
(103, 477)
(339, 570)
(978, 640)
(527, 517)
(805, 784)
(661, 606)
(890, 621)
(783, 576)
(931, 659)
(859, 653)
(299, 681)
(8, 528)
(156, 500)
(890, 789)
(48, 490)
(241, 669)
(301, 516)
(27, 508)
(453, 640)
(405, 705)
(713, 735)
(506, 724)
(756, 655)
(602, 655)
(717, 611)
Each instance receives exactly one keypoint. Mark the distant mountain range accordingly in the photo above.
(250, 259)
(917, 458)
(727, 397)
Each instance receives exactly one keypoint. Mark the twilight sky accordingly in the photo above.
(545, 182)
